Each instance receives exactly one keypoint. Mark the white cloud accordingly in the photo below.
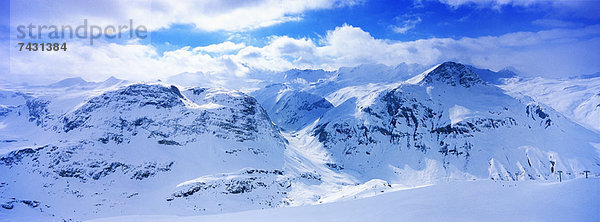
(131, 61)
(553, 52)
(207, 15)
(225, 47)
(406, 25)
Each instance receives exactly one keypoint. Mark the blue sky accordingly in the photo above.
(234, 37)
(378, 17)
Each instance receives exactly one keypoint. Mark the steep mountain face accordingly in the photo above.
(226, 115)
(291, 109)
(453, 74)
(451, 124)
(142, 144)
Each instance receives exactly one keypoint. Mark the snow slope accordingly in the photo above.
(577, 98)
(575, 200)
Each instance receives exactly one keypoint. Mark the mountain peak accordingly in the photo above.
(69, 82)
(112, 79)
(453, 74)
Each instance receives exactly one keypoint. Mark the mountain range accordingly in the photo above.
(303, 137)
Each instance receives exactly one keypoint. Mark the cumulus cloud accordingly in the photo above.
(207, 15)
(553, 52)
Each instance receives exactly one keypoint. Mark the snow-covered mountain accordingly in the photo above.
(576, 98)
(291, 109)
(306, 137)
(492, 77)
(448, 123)
(181, 151)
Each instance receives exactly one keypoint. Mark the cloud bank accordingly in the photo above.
(553, 52)
(206, 15)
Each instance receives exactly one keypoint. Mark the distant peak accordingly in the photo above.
(510, 70)
(112, 78)
(453, 74)
(73, 79)
(112, 81)
(69, 82)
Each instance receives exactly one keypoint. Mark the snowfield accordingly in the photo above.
(481, 200)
